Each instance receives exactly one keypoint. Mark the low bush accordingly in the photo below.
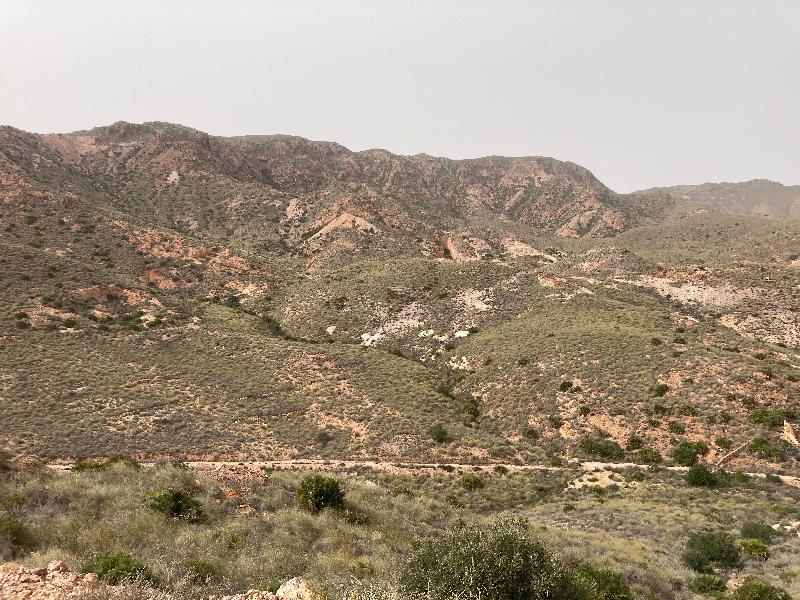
(707, 550)
(103, 465)
(685, 454)
(317, 492)
(706, 583)
(770, 417)
(15, 537)
(116, 568)
(202, 571)
(354, 517)
(500, 561)
(676, 427)
(756, 589)
(439, 434)
(659, 390)
(754, 548)
(701, 476)
(471, 482)
(607, 584)
(607, 449)
(649, 456)
(757, 530)
(764, 449)
(178, 504)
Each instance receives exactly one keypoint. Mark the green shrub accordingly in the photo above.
(15, 537)
(701, 476)
(755, 589)
(723, 442)
(607, 584)
(500, 561)
(607, 449)
(712, 549)
(659, 390)
(764, 449)
(103, 465)
(202, 571)
(564, 386)
(771, 417)
(470, 482)
(439, 434)
(501, 470)
(354, 517)
(649, 456)
(176, 503)
(754, 548)
(706, 583)
(117, 568)
(685, 454)
(471, 408)
(757, 530)
(676, 427)
(317, 492)
(635, 443)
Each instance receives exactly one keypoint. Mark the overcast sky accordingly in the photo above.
(641, 92)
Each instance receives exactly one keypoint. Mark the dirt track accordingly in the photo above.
(408, 468)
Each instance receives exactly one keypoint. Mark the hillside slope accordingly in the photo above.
(291, 298)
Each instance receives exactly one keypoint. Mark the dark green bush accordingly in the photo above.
(676, 427)
(117, 568)
(659, 390)
(771, 417)
(564, 386)
(635, 443)
(439, 434)
(701, 476)
(756, 589)
(607, 449)
(706, 583)
(317, 492)
(712, 549)
(470, 482)
(757, 530)
(764, 449)
(15, 537)
(607, 584)
(649, 456)
(500, 561)
(178, 504)
(685, 454)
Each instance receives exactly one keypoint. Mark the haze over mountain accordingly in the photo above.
(757, 197)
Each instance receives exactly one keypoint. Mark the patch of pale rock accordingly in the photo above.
(58, 582)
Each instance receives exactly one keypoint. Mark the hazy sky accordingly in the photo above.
(642, 92)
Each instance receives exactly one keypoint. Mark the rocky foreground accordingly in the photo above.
(57, 582)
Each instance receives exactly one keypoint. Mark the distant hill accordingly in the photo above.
(759, 197)
(290, 298)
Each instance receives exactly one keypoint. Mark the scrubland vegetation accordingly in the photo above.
(498, 535)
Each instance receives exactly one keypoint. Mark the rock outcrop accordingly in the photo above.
(53, 582)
